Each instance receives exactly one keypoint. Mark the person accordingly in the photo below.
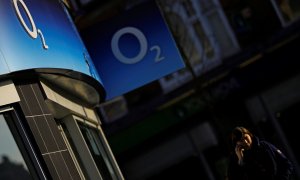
(253, 158)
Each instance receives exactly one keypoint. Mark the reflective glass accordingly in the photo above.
(12, 164)
(97, 150)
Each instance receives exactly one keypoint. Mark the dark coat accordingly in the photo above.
(262, 161)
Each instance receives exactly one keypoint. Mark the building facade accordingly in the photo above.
(49, 93)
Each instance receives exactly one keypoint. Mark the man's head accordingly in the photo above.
(242, 137)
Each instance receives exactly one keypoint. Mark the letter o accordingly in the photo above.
(116, 50)
(33, 33)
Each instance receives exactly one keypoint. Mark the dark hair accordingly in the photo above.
(238, 133)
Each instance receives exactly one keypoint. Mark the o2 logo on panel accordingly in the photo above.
(143, 46)
(33, 32)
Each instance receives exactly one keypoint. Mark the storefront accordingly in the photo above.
(49, 93)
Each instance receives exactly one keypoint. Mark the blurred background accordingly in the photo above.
(242, 69)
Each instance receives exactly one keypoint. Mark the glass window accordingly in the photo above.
(289, 10)
(83, 172)
(206, 5)
(96, 147)
(222, 34)
(12, 163)
(206, 44)
(188, 6)
(89, 149)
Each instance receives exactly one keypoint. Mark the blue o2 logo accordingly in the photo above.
(33, 32)
(143, 46)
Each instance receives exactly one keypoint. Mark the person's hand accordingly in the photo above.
(239, 153)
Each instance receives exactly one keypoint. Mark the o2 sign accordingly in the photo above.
(131, 50)
(143, 46)
(34, 32)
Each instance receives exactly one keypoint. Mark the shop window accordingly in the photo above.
(17, 158)
(83, 172)
(12, 163)
(96, 147)
(89, 149)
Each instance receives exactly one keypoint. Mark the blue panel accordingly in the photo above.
(40, 34)
(132, 49)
